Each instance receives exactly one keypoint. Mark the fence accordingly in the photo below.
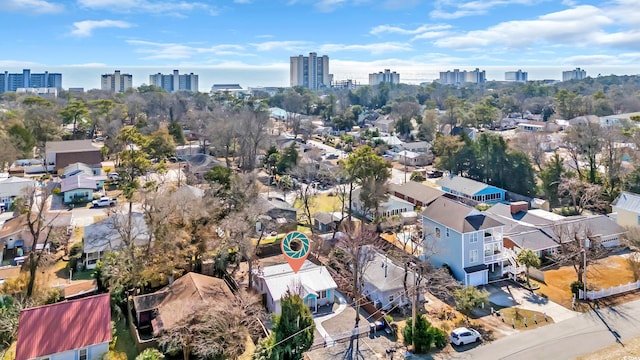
(597, 294)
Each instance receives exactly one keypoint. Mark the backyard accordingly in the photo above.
(607, 272)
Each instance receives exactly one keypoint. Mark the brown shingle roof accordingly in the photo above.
(457, 216)
(52, 329)
(71, 146)
(420, 192)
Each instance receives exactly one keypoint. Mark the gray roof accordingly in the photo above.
(533, 238)
(104, 235)
(326, 217)
(462, 185)
(274, 203)
(421, 192)
(389, 280)
(627, 201)
(76, 168)
(415, 145)
(459, 217)
(71, 146)
(600, 225)
(503, 212)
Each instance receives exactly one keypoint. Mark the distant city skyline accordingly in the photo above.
(89, 77)
(250, 41)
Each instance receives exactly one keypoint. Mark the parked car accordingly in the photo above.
(104, 201)
(114, 176)
(434, 174)
(463, 335)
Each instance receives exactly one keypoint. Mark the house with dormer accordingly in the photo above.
(465, 240)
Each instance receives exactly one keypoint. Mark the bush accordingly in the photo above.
(469, 297)
(56, 191)
(576, 286)
(440, 338)
(76, 250)
(114, 355)
(150, 354)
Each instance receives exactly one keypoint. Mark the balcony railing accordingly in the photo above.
(492, 239)
(492, 257)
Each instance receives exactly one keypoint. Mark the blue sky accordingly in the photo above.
(250, 41)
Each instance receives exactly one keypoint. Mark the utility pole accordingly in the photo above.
(417, 276)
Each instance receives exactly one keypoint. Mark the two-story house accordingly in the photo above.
(464, 239)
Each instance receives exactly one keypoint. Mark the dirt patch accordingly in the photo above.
(607, 272)
(523, 319)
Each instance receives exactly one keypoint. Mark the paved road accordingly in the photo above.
(584, 334)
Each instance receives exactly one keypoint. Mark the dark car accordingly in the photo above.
(434, 174)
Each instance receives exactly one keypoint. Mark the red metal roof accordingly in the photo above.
(64, 326)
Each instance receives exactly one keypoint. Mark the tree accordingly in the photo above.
(160, 145)
(292, 332)
(365, 168)
(551, 175)
(581, 195)
(9, 314)
(428, 127)
(423, 336)
(76, 113)
(175, 130)
(579, 246)
(41, 229)
(529, 259)
(584, 142)
(469, 297)
(446, 148)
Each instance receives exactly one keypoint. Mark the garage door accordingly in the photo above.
(476, 278)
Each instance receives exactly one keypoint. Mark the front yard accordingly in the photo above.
(611, 271)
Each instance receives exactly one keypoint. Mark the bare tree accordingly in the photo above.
(531, 144)
(581, 195)
(579, 246)
(251, 135)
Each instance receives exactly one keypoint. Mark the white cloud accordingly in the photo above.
(288, 45)
(448, 9)
(329, 5)
(150, 6)
(375, 48)
(398, 30)
(155, 51)
(85, 28)
(36, 6)
(567, 27)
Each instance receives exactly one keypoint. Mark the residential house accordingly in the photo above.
(384, 124)
(532, 126)
(391, 140)
(626, 208)
(60, 154)
(169, 306)
(393, 206)
(411, 158)
(470, 132)
(12, 188)
(418, 194)
(471, 189)
(326, 221)
(71, 330)
(416, 146)
(312, 282)
(383, 282)
(464, 239)
(81, 168)
(285, 215)
(81, 188)
(104, 236)
(16, 240)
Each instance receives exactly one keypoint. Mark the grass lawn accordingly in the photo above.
(607, 272)
(323, 203)
(83, 275)
(631, 350)
(125, 342)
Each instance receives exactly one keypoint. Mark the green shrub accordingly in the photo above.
(576, 286)
(426, 336)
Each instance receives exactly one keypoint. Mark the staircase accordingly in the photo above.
(513, 269)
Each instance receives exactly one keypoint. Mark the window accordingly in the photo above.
(322, 294)
(437, 233)
(473, 256)
(473, 237)
(447, 232)
(391, 298)
(83, 354)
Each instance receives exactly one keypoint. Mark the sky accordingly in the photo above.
(250, 41)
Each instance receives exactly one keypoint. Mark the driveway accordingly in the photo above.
(508, 295)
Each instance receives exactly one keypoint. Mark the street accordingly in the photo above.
(584, 334)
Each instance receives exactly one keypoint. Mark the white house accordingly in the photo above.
(393, 206)
(12, 188)
(627, 209)
(312, 282)
(70, 330)
(412, 158)
(383, 282)
(104, 236)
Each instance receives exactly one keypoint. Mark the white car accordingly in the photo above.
(104, 201)
(463, 335)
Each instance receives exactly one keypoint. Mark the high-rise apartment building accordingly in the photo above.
(457, 77)
(116, 82)
(577, 74)
(519, 76)
(384, 77)
(175, 82)
(311, 71)
(25, 80)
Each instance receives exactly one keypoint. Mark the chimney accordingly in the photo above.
(518, 206)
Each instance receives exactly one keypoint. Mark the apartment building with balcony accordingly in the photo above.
(457, 77)
(311, 72)
(175, 82)
(116, 82)
(28, 80)
(575, 74)
(387, 76)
